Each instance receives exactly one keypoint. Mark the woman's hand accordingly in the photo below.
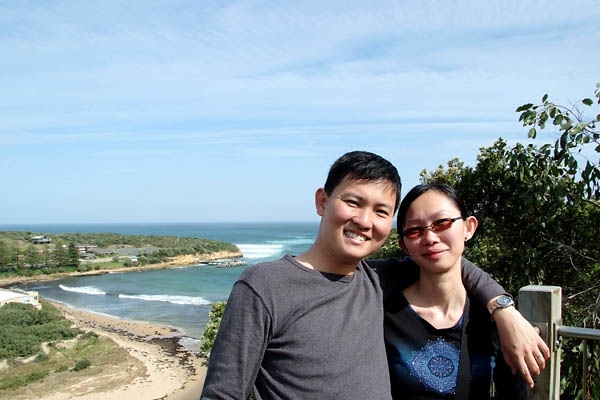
(523, 348)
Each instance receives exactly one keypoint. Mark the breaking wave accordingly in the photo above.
(188, 300)
(83, 289)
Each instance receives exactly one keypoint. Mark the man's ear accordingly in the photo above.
(471, 224)
(320, 201)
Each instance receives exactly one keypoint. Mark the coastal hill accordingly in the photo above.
(26, 256)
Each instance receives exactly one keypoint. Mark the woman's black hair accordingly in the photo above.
(418, 190)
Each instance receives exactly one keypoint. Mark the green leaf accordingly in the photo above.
(524, 107)
(563, 140)
(587, 102)
(545, 98)
(531, 133)
(558, 119)
(586, 139)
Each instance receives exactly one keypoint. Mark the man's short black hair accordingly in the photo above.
(363, 166)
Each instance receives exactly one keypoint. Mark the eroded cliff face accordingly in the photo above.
(190, 259)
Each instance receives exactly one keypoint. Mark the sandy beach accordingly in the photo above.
(169, 371)
(165, 371)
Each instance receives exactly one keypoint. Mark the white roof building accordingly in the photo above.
(17, 296)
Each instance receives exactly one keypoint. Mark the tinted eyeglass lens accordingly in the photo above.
(413, 233)
(441, 224)
(437, 226)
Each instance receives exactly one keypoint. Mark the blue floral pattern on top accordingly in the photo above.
(436, 366)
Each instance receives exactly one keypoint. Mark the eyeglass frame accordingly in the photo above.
(422, 229)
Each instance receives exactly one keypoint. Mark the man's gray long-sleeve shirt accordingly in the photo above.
(290, 332)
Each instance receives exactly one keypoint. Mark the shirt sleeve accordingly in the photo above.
(395, 274)
(239, 347)
(479, 283)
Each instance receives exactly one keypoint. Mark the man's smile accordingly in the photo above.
(355, 236)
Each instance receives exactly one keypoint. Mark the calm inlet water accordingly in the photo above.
(179, 297)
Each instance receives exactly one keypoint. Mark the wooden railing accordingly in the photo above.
(541, 305)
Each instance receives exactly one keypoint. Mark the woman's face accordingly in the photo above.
(440, 251)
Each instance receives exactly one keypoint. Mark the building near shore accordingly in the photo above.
(17, 296)
(41, 240)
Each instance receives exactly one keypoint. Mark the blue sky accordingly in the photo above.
(207, 111)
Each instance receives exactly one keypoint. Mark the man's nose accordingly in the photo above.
(363, 218)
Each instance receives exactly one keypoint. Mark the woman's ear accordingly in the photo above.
(320, 201)
(401, 244)
(471, 224)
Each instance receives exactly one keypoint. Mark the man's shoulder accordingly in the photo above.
(267, 271)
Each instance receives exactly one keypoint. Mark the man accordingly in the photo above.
(311, 326)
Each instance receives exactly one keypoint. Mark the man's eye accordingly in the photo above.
(384, 213)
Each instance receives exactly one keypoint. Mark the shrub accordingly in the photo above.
(23, 328)
(211, 328)
(82, 364)
(18, 314)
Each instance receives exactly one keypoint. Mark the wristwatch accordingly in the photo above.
(500, 302)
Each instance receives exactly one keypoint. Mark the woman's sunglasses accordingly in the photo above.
(436, 226)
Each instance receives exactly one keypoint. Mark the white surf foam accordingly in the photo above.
(189, 300)
(260, 250)
(83, 289)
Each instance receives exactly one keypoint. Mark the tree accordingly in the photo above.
(73, 256)
(531, 231)
(60, 255)
(578, 140)
(578, 137)
(5, 255)
(32, 256)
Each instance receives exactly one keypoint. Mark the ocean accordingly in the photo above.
(178, 297)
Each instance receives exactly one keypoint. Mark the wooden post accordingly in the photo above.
(541, 306)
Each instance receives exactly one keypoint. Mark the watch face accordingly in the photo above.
(504, 301)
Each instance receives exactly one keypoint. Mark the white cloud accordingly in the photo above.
(168, 87)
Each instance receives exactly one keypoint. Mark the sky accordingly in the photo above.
(215, 111)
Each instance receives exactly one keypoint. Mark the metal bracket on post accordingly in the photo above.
(542, 329)
(556, 339)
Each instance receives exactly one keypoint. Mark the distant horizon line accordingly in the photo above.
(156, 222)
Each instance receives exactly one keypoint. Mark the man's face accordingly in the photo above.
(356, 218)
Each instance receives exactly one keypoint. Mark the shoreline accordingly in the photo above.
(172, 372)
(172, 262)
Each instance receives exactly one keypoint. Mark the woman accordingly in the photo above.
(440, 343)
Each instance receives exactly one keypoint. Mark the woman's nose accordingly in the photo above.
(429, 236)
